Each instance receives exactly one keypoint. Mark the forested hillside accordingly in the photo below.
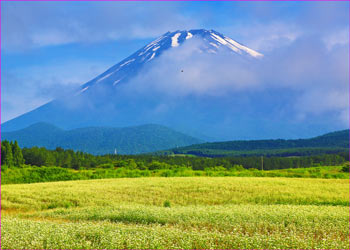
(326, 144)
(101, 140)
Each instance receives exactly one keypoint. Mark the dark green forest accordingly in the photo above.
(331, 143)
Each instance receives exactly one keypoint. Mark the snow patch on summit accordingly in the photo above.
(127, 62)
(151, 57)
(224, 42)
(189, 35)
(244, 48)
(215, 45)
(151, 45)
(104, 77)
(115, 82)
(218, 38)
(174, 40)
(235, 46)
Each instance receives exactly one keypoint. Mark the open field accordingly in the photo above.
(191, 212)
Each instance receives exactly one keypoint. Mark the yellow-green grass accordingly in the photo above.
(204, 212)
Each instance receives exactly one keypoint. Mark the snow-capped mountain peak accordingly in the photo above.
(212, 42)
(210, 37)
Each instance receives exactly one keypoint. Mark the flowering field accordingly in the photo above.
(193, 212)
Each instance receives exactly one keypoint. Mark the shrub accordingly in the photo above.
(237, 168)
(166, 203)
(346, 167)
(106, 166)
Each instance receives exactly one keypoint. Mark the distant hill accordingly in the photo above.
(328, 143)
(101, 140)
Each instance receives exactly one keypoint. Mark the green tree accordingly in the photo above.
(6, 154)
(67, 160)
(131, 164)
(18, 159)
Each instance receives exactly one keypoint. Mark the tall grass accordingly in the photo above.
(204, 212)
(179, 191)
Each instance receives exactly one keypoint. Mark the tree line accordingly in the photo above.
(13, 156)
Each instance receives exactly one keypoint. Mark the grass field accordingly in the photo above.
(33, 174)
(187, 212)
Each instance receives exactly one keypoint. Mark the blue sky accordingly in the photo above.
(48, 47)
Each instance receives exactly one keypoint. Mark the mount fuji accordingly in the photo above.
(179, 80)
(126, 69)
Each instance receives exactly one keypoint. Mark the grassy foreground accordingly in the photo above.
(192, 212)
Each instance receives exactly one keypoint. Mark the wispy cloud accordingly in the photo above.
(30, 87)
(34, 24)
(262, 26)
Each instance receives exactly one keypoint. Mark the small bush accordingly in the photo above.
(346, 167)
(106, 166)
(166, 203)
(237, 168)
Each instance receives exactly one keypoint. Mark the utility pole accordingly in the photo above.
(262, 163)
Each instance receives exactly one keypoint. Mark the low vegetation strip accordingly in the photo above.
(32, 174)
(30, 165)
(193, 212)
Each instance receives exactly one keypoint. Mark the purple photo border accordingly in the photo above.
(163, 1)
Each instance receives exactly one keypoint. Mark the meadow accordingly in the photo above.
(177, 212)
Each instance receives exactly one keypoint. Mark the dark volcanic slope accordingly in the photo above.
(101, 140)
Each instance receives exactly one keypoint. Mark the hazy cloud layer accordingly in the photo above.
(316, 76)
(35, 24)
(261, 25)
(26, 89)
(186, 70)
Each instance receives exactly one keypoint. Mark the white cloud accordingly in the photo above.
(264, 37)
(317, 77)
(34, 24)
(28, 88)
(340, 37)
(189, 71)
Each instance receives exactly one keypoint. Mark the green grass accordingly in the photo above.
(327, 172)
(191, 212)
(33, 174)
